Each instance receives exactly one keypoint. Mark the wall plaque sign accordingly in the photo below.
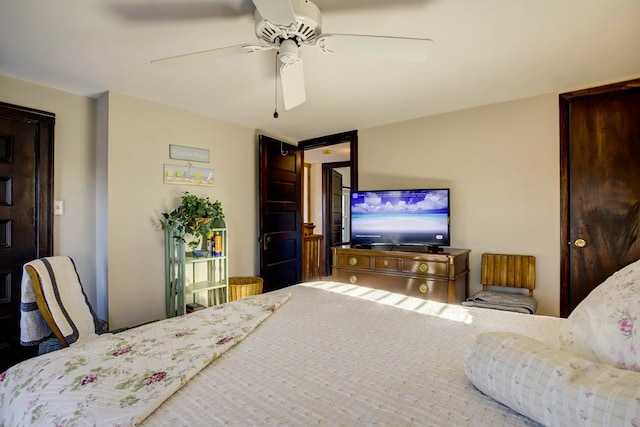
(191, 154)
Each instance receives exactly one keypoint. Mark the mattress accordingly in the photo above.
(338, 354)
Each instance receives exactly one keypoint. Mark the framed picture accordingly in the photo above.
(187, 175)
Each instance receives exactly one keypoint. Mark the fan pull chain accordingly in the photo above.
(275, 112)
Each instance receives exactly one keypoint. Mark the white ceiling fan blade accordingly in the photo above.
(401, 48)
(276, 11)
(214, 53)
(292, 79)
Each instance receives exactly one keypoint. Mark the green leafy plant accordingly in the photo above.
(195, 216)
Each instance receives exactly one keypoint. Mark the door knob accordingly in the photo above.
(580, 243)
(264, 243)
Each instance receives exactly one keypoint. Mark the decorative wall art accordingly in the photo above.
(190, 154)
(187, 175)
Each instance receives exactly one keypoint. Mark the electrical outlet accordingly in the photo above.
(58, 207)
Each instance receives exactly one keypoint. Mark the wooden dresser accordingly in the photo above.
(442, 276)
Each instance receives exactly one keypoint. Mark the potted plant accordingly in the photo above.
(194, 219)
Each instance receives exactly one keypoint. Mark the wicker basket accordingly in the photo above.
(242, 287)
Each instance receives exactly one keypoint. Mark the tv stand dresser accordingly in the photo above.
(440, 276)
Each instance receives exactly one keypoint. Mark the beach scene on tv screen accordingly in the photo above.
(400, 216)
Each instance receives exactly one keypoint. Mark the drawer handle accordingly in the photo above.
(353, 260)
(423, 288)
(353, 279)
(386, 262)
(424, 268)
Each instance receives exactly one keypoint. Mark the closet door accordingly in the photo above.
(26, 187)
(600, 186)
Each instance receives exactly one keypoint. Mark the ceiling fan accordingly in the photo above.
(288, 25)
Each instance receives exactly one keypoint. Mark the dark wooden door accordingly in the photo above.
(335, 219)
(332, 210)
(26, 174)
(600, 162)
(280, 214)
(336, 207)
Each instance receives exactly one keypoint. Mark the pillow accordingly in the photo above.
(604, 326)
(552, 386)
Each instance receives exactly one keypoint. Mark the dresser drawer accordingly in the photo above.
(385, 263)
(433, 268)
(416, 287)
(360, 261)
(370, 279)
(436, 290)
(363, 278)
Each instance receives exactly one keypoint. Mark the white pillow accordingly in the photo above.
(604, 326)
(552, 386)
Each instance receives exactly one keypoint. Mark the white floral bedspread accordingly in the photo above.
(118, 380)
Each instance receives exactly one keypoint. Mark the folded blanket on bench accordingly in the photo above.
(503, 301)
(63, 294)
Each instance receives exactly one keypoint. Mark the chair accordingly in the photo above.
(511, 271)
(53, 302)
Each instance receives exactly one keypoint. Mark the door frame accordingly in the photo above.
(565, 100)
(324, 141)
(338, 138)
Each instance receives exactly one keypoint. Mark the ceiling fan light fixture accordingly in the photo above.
(290, 25)
(305, 29)
(288, 51)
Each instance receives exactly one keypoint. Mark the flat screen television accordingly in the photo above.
(418, 218)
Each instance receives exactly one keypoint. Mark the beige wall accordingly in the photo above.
(139, 134)
(502, 164)
(74, 170)
(346, 176)
(133, 138)
(316, 197)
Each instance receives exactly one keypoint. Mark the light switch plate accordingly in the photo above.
(58, 207)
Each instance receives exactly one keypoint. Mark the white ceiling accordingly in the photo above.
(483, 52)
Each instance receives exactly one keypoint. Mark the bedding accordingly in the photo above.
(604, 326)
(68, 305)
(502, 301)
(118, 379)
(338, 354)
(551, 385)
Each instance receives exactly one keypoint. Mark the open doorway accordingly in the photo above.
(325, 158)
(334, 185)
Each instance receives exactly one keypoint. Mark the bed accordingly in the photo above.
(328, 354)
